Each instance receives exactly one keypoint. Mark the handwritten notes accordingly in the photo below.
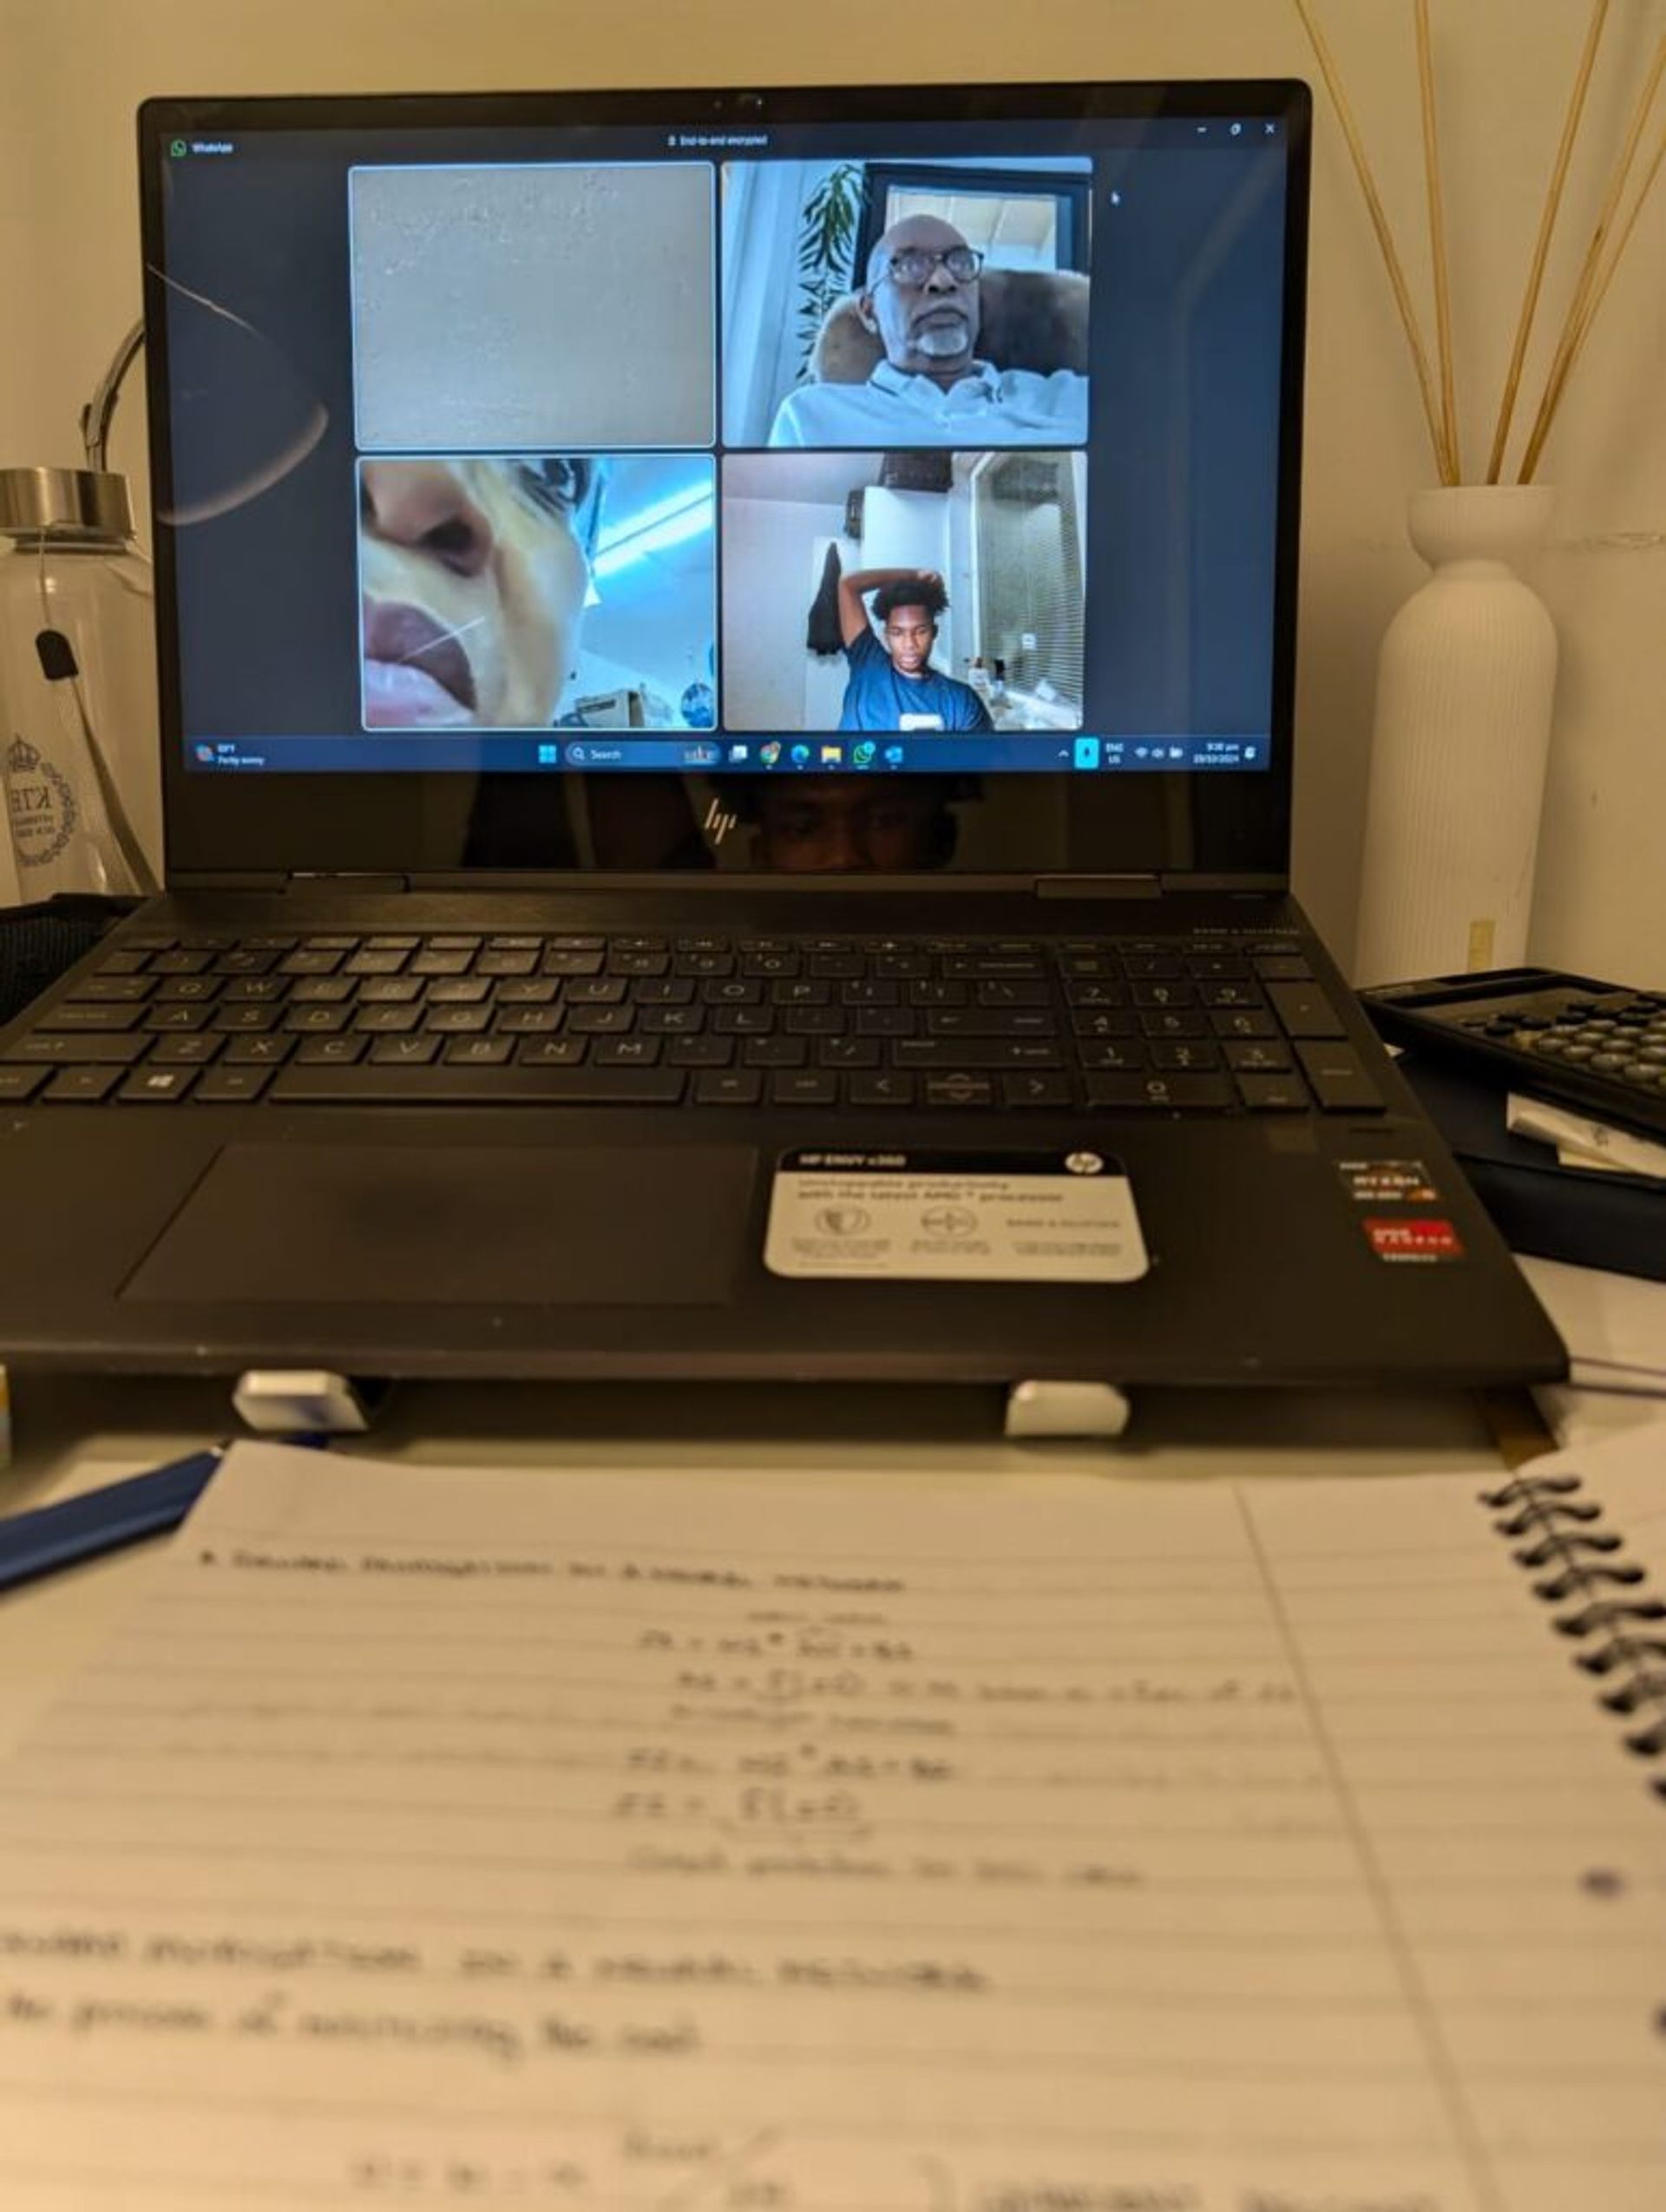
(442, 1839)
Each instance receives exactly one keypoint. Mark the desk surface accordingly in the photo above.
(74, 1434)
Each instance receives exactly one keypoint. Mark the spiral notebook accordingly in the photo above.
(438, 1838)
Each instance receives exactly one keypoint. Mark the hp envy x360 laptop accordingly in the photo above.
(727, 664)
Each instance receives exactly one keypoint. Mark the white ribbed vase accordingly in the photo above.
(1466, 683)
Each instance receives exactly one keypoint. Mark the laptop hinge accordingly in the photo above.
(349, 878)
(1248, 885)
(1097, 886)
(225, 880)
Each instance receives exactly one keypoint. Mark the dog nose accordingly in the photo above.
(426, 505)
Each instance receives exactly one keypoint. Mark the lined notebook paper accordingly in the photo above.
(460, 1838)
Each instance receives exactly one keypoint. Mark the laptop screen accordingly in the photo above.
(771, 450)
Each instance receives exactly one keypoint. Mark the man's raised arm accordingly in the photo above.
(854, 586)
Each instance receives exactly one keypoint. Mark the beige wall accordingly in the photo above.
(71, 72)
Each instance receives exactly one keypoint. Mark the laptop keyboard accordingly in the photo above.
(1233, 1023)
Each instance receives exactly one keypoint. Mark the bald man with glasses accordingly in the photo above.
(921, 302)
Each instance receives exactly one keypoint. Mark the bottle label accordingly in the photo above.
(40, 806)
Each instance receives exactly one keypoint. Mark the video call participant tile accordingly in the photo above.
(922, 593)
(536, 592)
(533, 307)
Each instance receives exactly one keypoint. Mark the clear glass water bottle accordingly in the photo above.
(78, 744)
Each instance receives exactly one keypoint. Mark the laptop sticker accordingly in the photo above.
(974, 1217)
(1418, 1242)
(1387, 1182)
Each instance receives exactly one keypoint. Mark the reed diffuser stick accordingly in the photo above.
(1542, 245)
(1536, 445)
(1572, 335)
(1453, 471)
(1379, 224)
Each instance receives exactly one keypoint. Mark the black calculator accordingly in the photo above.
(1598, 1047)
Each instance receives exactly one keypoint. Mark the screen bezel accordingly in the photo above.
(404, 823)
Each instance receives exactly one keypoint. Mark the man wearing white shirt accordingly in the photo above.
(921, 303)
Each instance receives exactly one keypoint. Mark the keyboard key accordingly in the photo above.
(243, 1019)
(112, 990)
(1254, 1057)
(231, 1086)
(19, 1082)
(1283, 967)
(440, 1084)
(1186, 1058)
(960, 1089)
(470, 1052)
(551, 1051)
(1304, 1011)
(848, 1051)
(457, 991)
(1241, 1023)
(1035, 1090)
(314, 1020)
(78, 1086)
(96, 1051)
(700, 1052)
(813, 1087)
(884, 1090)
(596, 990)
(1166, 994)
(505, 964)
(386, 1021)
(1229, 994)
(519, 1021)
(1273, 1094)
(447, 1021)
(1122, 1053)
(404, 1051)
(728, 1087)
(80, 1019)
(977, 1052)
(157, 1086)
(1090, 1021)
(329, 1051)
(599, 1021)
(257, 1052)
(185, 1051)
(1158, 1025)
(1160, 1094)
(1339, 1078)
(322, 990)
(626, 1052)
(774, 1052)
(978, 1021)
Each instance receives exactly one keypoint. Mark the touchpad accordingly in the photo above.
(427, 1224)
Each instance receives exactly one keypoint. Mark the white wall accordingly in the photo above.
(71, 73)
(772, 571)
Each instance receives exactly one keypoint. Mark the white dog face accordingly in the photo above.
(474, 574)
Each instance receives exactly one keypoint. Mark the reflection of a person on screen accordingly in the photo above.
(893, 685)
(921, 302)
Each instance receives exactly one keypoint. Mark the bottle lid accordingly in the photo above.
(64, 502)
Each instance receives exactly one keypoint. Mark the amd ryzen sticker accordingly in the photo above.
(1414, 1240)
(974, 1217)
(1387, 1182)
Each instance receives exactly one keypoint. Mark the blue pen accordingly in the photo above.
(101, 1520)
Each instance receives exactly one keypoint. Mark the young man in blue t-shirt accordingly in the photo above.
(893, 684)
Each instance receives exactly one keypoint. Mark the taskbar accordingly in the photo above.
(1036, 753)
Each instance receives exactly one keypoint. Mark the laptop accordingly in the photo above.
(726, 665)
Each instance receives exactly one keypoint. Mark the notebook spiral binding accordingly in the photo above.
(1588, 1565)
